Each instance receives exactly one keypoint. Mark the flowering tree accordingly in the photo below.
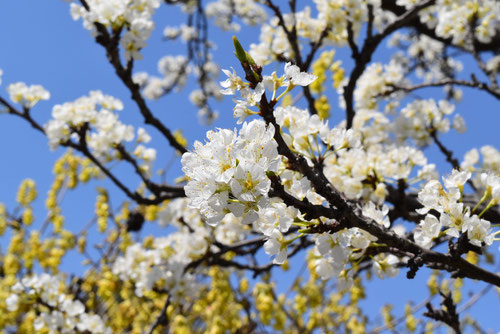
(347, 199)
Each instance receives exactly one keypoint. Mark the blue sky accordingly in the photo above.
(41, 44)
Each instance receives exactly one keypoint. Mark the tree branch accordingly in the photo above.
(110, 43)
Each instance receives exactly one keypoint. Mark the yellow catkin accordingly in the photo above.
(151, 212)
(148, 242)
(319, 68)
(429, 328)
(67, 240)
(322, 107)
(82, 243)
(102, 209)
(445, 286)
(31, 252)
(457, 290)
(3, 219)
(179, 137)
(244, 285)
(16, 245)
(27, 192)
(85, 174)
(126, 240)
(338, 74)
(410, 321)
(355, 326)
(472, 257)
(300, 304)
(122, 217)
(55, 258)
(387, 316)
(57, 221)
(357, 291)
(27, 216)
(11, 264)
(432, 284)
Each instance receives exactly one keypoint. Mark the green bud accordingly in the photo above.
(239, 51)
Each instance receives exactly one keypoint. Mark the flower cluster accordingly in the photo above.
(58, 311)
(421, 118)
(251, 97)
(175, 71)
(162, 265)
(226, 175)
(186, 33)
(363, 173)
(336, 250)
(331, 16)
(359, 171)
(186, 219)
(377, 80)
(307, 133)
(454, 216)
(133, 15)
(490, 163)
(231, 164)
(426, 55)
(95, 111)
(223, 11)
(452, 19)
(27, 96)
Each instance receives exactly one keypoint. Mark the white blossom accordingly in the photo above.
(27, 96)
(296, 77)
(275, 246)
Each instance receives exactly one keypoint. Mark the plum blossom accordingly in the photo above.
(231, 162)
(232, 84)
(65, 314)
(134, 15)
(276, 245)
(478, 231)
(427, 231)
(384, 266)
(296, 77)
(27, 96)
(96, 111)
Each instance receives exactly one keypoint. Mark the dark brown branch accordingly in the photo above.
(309, 210)
(395, 322)
(162, 318)
(474, 83)
(290, 34)
(448, 314)
(352, 42)
(447, 153)
(216, 259)
(110, 43)
(155, 188)
(25, 114)
(449, 156)
(81, 146)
